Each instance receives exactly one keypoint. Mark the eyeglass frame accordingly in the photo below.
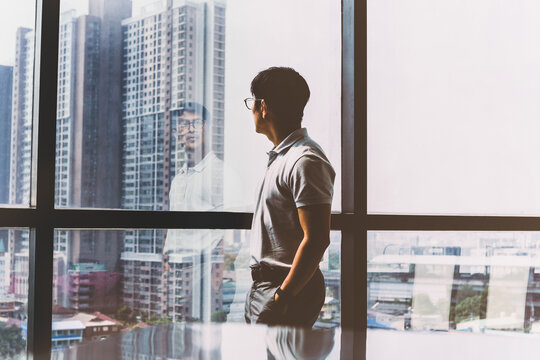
(254, 101)
(196, 124)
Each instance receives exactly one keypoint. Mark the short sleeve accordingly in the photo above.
(312, 181)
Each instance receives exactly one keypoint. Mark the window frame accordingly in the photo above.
(42, 218)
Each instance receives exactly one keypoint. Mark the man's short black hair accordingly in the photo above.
(195, 108)
(284, 90)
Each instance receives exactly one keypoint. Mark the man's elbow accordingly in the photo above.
(318, 242)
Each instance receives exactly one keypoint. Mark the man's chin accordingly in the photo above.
(192, 147)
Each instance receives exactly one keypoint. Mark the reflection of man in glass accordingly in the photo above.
(198, 169)
(194, 257)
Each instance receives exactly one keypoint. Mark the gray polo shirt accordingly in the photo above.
(298, 174)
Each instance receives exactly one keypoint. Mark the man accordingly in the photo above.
(291, 222)
(194, 189)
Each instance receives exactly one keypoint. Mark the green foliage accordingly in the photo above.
(11, 341)
(129, 317)
(464, 292)
(228, 261)
(219, 316)
(333, 261)
(471, 305)
(154, 320)
(124, 314)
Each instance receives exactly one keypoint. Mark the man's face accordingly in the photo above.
(191, 131)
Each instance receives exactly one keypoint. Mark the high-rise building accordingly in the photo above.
(88, 129)
(92, 287)
(174, 57)
(21, 152)
(89, 135)
(21, 120)
(6, 83)
(94, 132)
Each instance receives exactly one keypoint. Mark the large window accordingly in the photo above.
(120, 209)
(129, 72)
(451, 92)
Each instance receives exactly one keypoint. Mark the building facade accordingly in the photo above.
(21, 135)
(6, 84)
(6, 88)
(91, 287)
(21, 120)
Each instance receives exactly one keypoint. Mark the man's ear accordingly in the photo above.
(264, 109)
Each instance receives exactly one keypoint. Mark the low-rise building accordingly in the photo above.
(66, 333)
(96, 326)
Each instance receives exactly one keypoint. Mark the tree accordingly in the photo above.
(333, 261)
(228, 261)
(154, 320)
(464, 292)
(219, 316)
(126, 315)
(472, 307)
(11, 341)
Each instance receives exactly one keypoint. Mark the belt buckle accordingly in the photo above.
(256, 273)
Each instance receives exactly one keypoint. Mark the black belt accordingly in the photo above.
(264, 272)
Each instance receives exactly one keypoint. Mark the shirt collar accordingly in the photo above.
(199, 167)
(286, 143)
(290, 140)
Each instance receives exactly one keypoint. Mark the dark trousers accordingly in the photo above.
(301, 311)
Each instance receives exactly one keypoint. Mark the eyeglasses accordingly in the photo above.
(250, 102)
(184, 124)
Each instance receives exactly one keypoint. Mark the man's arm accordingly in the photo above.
(315, 222)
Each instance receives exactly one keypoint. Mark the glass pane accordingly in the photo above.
(14, 272)
(452, 107)
(130, 77)
(479, 286)
(101, 285)
(331, 269)
(16, 94)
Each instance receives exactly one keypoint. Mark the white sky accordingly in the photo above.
(305, 35)
(12, 15)
(453, 107)
(301, 34)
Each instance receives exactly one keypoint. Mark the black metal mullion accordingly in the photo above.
(40, 293)
(44, 148)
(133, 219)
(353, 252)
(454, 223)
(360, 147)
(97, 218)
